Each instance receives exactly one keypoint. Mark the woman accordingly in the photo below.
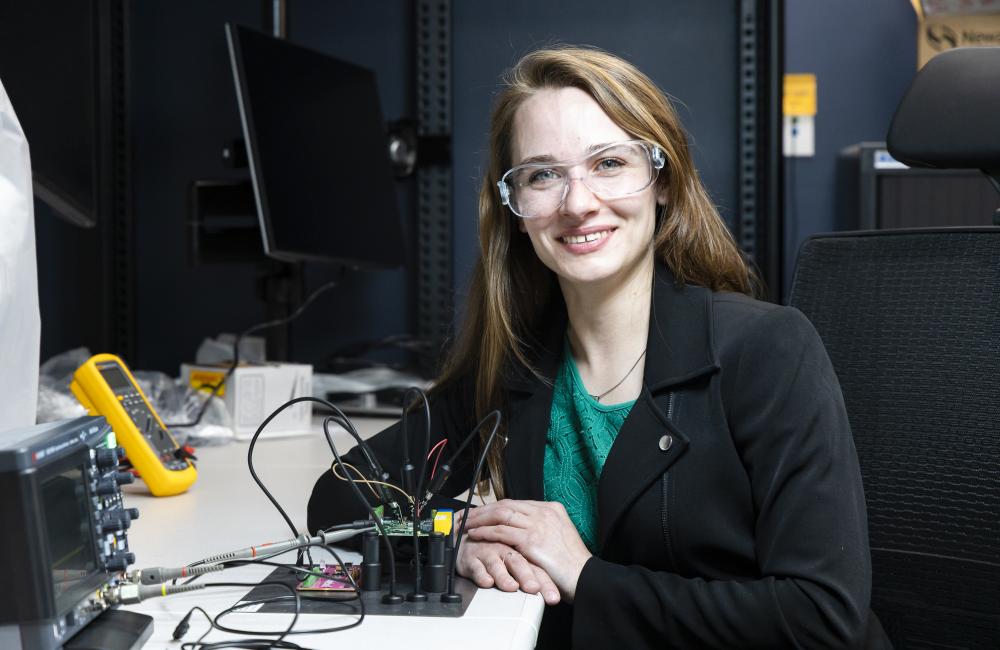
(678, 468)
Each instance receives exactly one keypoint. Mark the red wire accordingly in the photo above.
(431, 452)
(440, 451)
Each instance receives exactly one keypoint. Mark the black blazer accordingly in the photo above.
(730, 508)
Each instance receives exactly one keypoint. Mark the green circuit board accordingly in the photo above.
(403, 526)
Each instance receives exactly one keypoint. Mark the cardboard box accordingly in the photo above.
(253, 392)
(946, 24)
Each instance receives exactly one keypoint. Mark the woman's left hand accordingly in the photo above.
(541, 531)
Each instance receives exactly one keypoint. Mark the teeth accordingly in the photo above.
(583, 239)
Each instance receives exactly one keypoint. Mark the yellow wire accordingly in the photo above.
(333, 468)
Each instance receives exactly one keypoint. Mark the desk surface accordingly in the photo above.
(225, 510)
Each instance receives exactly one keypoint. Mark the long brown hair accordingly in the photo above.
(511, 288)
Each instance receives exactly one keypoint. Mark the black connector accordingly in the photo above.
(408, 486)
(183, 626)
(440, 476)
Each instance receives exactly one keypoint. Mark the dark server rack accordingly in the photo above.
(884, 193)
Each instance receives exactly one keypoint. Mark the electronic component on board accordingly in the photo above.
(443, 519)
(333, 583)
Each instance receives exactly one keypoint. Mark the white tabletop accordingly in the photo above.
(225, 510)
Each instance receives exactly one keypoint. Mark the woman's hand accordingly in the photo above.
(541, 531)
(489, 564)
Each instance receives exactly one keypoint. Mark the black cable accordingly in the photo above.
(251, 644)
(467, 440)
(343, 419)
(265, 558)
(267, 643)
(427, 436)
(236, 351)
(392, 595)
(358, 523)
(260, 429)
(444, 469)
(247, 643)
(472, 487)
(350, 578)
(281, 565)
(253, 443)
(366, 450)
(417, 595)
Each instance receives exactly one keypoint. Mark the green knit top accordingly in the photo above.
(581, 432)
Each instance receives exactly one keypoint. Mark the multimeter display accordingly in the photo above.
(137, 409)
(116, 379)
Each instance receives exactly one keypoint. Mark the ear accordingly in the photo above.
(661, 198)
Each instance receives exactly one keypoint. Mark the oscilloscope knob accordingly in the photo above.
(120, 561)
(116, 520)
(109, 484)
(106, 458)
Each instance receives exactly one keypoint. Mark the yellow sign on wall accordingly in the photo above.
(799, 98)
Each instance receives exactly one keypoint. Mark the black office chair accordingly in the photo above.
(911, 320)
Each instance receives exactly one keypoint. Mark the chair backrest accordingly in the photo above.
(948, 116)
(911, 321)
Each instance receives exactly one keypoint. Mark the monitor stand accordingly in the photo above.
(281, 289)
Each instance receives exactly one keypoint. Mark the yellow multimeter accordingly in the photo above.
(105, 386)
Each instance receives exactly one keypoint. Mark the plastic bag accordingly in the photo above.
(55, 400)
(20, 323)
(177, 404)
(170, 399)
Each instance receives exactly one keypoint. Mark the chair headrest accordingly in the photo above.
(950, 116)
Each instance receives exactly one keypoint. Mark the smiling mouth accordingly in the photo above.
(585, 239)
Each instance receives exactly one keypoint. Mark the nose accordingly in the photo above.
(580, 201)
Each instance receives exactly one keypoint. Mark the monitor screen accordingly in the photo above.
(48, 65)
(318, 154)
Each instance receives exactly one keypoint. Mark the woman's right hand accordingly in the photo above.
(490, 564)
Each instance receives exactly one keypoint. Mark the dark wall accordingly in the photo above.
(688, 48)
(185, 111)
(863, 54)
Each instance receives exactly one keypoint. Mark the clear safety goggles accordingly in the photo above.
(617, 170)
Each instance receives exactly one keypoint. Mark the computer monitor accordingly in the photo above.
(318, 153)
(55, 68)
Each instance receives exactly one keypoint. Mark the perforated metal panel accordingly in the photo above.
(115, 160)
(434, 252)
(748, 128)
(759, 230)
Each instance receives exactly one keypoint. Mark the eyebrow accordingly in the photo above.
(546, 158)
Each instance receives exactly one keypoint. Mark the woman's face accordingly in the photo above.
(587, 240)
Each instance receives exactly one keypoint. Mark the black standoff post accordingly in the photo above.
(371, 568)
(437, 568)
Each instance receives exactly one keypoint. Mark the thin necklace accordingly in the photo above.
(597, 398)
